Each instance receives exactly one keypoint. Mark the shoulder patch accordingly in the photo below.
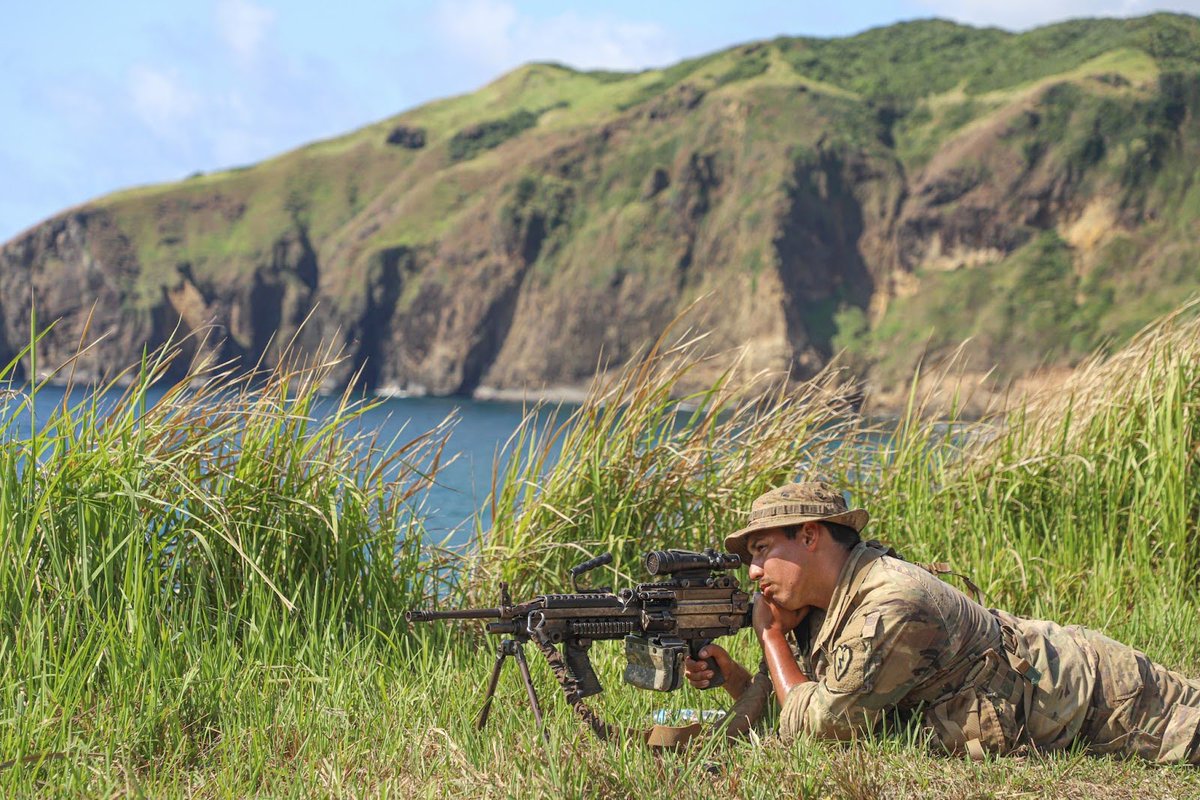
(871, 625)
(841, 661)
(848, 667)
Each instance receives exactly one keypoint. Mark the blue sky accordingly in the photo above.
(101, 96)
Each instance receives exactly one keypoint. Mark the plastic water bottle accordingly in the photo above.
(686, 716)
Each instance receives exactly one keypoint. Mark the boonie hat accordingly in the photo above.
(795, 504)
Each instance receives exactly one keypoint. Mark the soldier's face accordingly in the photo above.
(782, 567)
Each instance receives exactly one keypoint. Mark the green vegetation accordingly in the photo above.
(934, 77)
(668, 78)
(1037, 124)
(201, 597)
(166, 569)
(908, 61)
(486, 135)
(534, 220)
(1026, 308)
(749, 66)
(901, 62)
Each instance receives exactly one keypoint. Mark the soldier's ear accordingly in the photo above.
(809, 533)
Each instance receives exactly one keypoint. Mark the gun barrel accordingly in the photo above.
(418, 615)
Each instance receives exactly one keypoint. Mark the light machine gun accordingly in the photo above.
(694, 601)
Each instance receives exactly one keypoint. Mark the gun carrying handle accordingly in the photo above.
(718, 677)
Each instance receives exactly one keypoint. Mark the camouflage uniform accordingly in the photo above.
(895, 637)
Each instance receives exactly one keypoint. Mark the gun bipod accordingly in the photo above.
(506, 648)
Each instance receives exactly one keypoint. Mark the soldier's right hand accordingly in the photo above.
(699, 672)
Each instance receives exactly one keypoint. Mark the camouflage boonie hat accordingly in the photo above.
(795, 504)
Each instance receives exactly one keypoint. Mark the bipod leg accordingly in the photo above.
(519, 653)
(502, 653)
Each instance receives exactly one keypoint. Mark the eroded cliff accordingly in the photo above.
(554, 222)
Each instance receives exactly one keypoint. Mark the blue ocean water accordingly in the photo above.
(462, 486)
(476, 441)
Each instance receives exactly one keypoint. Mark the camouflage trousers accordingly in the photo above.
(1140, 708)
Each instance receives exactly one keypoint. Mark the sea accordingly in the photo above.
(461, 490)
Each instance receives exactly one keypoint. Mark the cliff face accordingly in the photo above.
(556, 221)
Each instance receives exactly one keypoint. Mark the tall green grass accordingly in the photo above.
(201, 596)
(155, 556)
(645, 462)
(1081, 505)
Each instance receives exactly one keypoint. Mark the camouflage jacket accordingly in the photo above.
(895, 637)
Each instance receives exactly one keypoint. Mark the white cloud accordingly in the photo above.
(1023, 14)
(494, 35)
(246, 103)
(479, 29)
(611, 44)
(160, 99)
(243, 26)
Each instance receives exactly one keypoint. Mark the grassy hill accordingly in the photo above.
(886, 193)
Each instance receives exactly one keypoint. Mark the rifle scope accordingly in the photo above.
(668, 562)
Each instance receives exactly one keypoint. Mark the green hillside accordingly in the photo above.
(904, 188)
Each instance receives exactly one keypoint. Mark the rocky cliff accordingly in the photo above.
(883, 195)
